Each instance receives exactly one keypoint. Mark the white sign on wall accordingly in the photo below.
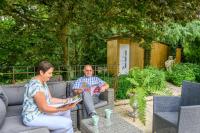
(124, 59)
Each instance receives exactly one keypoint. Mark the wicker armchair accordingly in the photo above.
(174, 114)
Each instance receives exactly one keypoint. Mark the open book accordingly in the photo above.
(70, 100)
(94, 89)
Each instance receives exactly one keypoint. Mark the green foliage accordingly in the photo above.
(120, 82)
(137, 98)
(123, 86)
(196, 70)
(172, 34)
(144, 83)
(191, 32)
(79, 27)
(187, 36)
(183, 71)
(140, 96)
(6, 22)
(151, 79)
(107, 77)
(27, 47)
(192, 51)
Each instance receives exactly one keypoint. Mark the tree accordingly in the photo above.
(83, 24)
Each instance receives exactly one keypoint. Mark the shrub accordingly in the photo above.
(123, 86)
(196, 70)
(119, 83)
(183, 71)
(151, 79)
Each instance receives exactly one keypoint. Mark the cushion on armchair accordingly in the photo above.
(15, 93)
(190, 93)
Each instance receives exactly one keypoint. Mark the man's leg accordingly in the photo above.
(88, 103)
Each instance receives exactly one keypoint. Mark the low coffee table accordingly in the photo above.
(115, 125)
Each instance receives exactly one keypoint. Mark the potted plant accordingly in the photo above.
(145, 82)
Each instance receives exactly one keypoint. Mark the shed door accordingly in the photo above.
(124, 59)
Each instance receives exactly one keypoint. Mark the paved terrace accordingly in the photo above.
(122, 107)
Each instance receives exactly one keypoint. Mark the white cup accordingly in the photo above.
(108, 113)
(95, 120)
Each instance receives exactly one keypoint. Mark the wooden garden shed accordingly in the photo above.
(124, 54)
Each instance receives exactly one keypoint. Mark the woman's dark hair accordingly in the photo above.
(44, 66)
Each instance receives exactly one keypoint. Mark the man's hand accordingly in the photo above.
(104, 87)
(78, 91)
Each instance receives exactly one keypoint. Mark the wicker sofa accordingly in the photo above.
(10, 116)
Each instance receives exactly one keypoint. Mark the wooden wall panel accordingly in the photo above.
(159, 54)
(137, 56)
(112, 56)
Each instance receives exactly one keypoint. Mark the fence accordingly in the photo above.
(21, 74)
(17, 74)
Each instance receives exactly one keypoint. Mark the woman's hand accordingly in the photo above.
(69, 106)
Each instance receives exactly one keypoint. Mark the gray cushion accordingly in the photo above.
(15, 93)
(171, 117)
(95, 99)
(2, 112)
(101, 103)
(57, 89)
(3, 96)
(190, 93)
(14, 110)
(14, 125)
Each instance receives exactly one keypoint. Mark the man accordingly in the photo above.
(84, 85)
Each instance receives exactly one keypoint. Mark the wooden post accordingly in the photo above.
(13, 75)
(178, 55)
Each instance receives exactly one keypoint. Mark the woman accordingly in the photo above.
(37, 99)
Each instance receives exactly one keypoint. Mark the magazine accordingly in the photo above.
(94, 89)
(70, 100)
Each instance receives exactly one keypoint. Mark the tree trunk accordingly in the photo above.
(147, 57)
(63, 40)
